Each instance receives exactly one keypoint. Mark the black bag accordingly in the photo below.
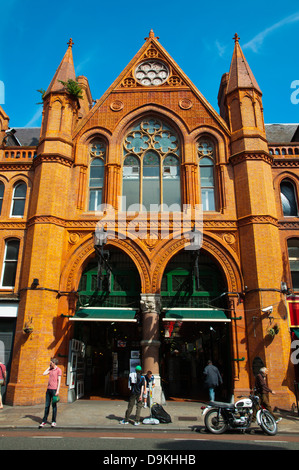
(159, 413)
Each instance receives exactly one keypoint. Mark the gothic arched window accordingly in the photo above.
(9, 267)
(19, 199)
(151, 168)
(96, 175)
(288, 199)
(206, 162)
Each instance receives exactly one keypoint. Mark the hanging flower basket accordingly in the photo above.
(28, 329)
(273, 331)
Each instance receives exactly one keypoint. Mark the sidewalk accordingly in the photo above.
(106, 415)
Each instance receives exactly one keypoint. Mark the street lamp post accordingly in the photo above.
(100, 240)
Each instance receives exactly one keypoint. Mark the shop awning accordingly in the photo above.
(295, 331)
(195, 314)
(105, 314)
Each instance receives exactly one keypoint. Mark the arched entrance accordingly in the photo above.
(195, 326)
(107, 323)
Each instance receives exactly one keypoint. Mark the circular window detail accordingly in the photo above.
(151, 73)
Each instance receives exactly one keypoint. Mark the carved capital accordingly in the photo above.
(150, 303)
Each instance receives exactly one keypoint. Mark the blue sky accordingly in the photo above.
(197, 34)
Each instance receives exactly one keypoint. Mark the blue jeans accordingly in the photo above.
(49, 395)
(212, 394)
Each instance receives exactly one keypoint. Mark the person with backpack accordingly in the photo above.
(137, 387)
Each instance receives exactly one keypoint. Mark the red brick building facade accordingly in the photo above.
(149, 295)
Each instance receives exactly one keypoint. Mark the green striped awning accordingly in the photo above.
(195, 314)
(105, 314)
(295, 331)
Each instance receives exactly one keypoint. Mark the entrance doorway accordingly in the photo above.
(187, 347)
(107, 321)
(110, 348)
(201, 331)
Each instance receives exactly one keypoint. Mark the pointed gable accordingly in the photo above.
(65, 71)
(155, 79)
(240, 74)
(152, 66)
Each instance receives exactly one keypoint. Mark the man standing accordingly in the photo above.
(137, 386)
(53, 388)
(212, 379)
(263, 391)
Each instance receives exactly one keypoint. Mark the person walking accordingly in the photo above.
(212, 379)
(52, 392)
(263, 391)
(137, 387)
(2, 381)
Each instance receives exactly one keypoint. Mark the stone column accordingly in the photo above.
(151, 307)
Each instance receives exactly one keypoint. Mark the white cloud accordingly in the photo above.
(258, 40)
(220, 48)
(35, 117)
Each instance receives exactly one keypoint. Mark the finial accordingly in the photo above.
(71, 43)
(236, 38)
(151, 35)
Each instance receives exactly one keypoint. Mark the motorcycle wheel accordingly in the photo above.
(268, 423)
(214, 422)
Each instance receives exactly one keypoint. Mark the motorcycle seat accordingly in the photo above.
(220, 404)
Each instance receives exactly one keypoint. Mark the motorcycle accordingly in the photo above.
(219, 417)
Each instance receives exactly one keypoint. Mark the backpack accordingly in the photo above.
(159, 413)
(135, 383)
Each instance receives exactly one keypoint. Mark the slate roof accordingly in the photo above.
(282, 133)
(275, 133)
(23, 136)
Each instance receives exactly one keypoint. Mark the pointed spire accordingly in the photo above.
(240, 74)
(65, 71)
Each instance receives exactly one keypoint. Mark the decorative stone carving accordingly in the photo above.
(150, 303)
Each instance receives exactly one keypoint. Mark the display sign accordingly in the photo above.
(293, 311)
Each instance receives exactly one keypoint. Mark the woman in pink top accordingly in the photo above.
(53, 388)
(2, 381)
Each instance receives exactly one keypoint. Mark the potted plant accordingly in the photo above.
(28, 328)
(273, 331)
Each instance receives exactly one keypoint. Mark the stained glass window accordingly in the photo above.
(151, 169)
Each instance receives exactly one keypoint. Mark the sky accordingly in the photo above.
(107, 34)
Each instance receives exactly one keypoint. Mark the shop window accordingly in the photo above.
(10, 263)
(206, 156)
(96, 174)
(288, 199)
(293, 251)
(18, 200)
(151, 168)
